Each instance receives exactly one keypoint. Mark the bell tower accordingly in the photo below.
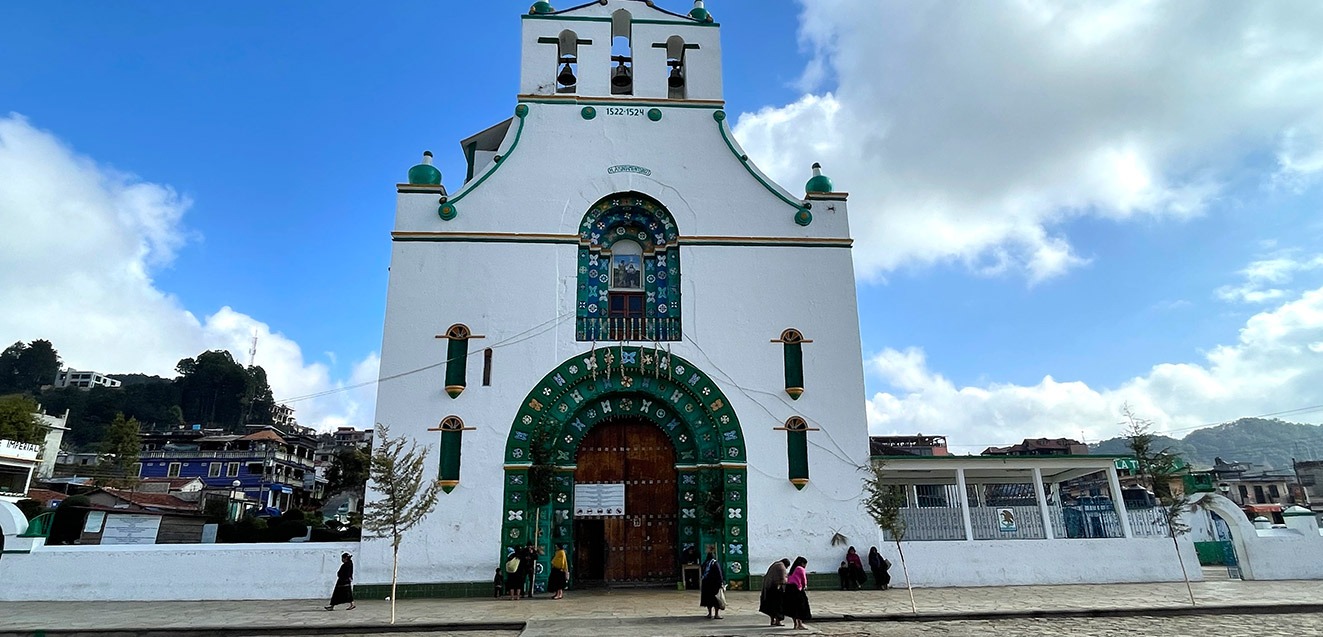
(624, 49)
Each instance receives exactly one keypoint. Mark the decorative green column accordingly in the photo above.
(797, 450)
(793, 355)
(457, 358)
(452, 437)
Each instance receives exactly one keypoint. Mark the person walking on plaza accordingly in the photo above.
(774, 588)
(880, 566)
(796, 602)
(514, 574)
(344, 584)
(710, 593)
(560, 573)
(857, 575)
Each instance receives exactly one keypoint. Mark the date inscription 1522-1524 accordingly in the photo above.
(624, 111)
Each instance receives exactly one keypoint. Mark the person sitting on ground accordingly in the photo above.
(857, 576)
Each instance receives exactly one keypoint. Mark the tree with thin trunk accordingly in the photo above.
(406, 497)
(884, 503)
(122, 447)
(1156, 470)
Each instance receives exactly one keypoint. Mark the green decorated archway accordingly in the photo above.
(634, 382)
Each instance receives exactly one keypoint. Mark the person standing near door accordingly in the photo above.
(713, 580)
(560, 573)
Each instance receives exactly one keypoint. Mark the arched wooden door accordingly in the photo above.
(640, 544)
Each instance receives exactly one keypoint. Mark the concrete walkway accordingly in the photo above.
(648, 612)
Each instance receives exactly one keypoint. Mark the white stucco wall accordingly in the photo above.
(734, 300)
(1013, 562)
(172, 572)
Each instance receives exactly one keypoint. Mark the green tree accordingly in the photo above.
(349, 471)
(405, 495)
(885, 503)
(216, 390)
(1156, 472)
(19, 421)
(25, 368)
(122, 448)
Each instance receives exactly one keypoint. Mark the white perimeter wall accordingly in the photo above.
(1016, 562)
(173, 572)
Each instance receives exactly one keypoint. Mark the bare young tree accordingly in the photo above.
(1156, 470)
(884, 503)
(397, 470)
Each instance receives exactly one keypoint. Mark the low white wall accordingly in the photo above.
(1285, 556)
(173, 572)
(1014, 562)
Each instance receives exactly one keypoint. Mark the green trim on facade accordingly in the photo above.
(584, 18)
(616, 102)
(793, 358)
(638, 218)
(655, 114)
(588, 112)
(643, 383)
(521, 111)
(452, 443)
(457, 355)
(751, 243)
(797, 455)
(800, 208)
(425, 591)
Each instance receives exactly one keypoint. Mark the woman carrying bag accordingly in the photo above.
(712, 593)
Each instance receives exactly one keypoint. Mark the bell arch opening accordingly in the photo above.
(596, 391)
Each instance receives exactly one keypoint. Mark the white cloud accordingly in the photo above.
(79, 245)
(1267, 279)
(970, 135)
(1276, 364)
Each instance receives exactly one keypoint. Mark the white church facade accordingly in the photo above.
(632, 343)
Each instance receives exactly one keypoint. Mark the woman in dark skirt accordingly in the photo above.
(795, 604)
(710, 585)
(560, 573)
(344, 584)
(880, 566)
(774, 587)
(514, 574)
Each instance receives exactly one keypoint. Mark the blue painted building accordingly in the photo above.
(268, 468)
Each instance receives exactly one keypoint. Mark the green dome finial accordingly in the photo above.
(819, 183)
(541, 7)
(699, 13)
(425, 173)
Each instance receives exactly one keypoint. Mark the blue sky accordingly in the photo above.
(1079, 191)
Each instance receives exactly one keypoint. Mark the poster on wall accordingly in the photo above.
(130, 529)
(1006, 521)
(599, 499)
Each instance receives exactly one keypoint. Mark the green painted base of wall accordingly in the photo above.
(1210, 553)
(816, 581)
(424, 591)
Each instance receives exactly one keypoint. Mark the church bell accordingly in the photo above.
(566, 76)
(623, 76)
(676, 80)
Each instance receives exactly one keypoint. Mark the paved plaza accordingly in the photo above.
(1225, 607)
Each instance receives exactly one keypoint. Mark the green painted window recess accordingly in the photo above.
(793, 354)
(457, 357)
(452, 438)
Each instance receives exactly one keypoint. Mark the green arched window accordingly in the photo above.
(629, 272)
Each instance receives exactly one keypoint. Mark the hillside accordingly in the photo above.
(1265, 443)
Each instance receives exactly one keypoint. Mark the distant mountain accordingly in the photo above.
(1268, 444)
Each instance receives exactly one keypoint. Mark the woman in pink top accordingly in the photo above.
(796, 605)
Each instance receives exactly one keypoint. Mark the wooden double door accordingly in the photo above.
(639, 546)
